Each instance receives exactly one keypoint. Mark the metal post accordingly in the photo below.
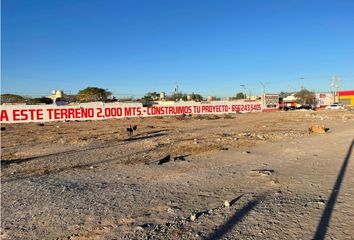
(244, 89)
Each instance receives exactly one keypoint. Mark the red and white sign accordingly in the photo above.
(98, 110)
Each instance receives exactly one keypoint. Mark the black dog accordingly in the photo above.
(130, 130)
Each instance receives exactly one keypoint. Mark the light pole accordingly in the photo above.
(302, 83)
(335, 86)
(244, 89)
(263, 97)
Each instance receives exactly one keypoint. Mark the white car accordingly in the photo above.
(335, 106)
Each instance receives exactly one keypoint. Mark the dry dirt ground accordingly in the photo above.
(243, 176)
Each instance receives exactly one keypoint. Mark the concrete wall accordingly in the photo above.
(99, 110)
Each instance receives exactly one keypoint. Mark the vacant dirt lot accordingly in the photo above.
(244, 176)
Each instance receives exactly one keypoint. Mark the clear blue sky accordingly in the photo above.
(210, 47)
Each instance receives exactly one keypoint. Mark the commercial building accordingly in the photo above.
(346, 97)
(270, 102)
(323, 99)
(289, 102)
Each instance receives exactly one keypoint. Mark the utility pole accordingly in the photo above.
(302, 83)
(244, 90)
(263, 87)
(335, 83)
(175, 90)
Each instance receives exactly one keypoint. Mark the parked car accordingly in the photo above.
(306, 106)
(289, 108)
(335, 106)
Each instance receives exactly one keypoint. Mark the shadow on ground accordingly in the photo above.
(236, 218)
(326, 215)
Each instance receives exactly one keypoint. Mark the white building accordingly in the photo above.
(323, 99)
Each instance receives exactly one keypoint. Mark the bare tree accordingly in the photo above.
(305, 96)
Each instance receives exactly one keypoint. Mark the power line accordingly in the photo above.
(335, 84)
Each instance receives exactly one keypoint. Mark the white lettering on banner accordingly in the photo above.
(97, 111)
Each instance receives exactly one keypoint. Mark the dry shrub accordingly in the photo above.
(206, 117)
(317, 129)
(181, 117)
(228, 116)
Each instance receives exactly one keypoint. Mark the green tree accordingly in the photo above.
(240, 95)
(196, 97)
(151, 96)
(11, 98)
(305, 96)
(92, 94)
